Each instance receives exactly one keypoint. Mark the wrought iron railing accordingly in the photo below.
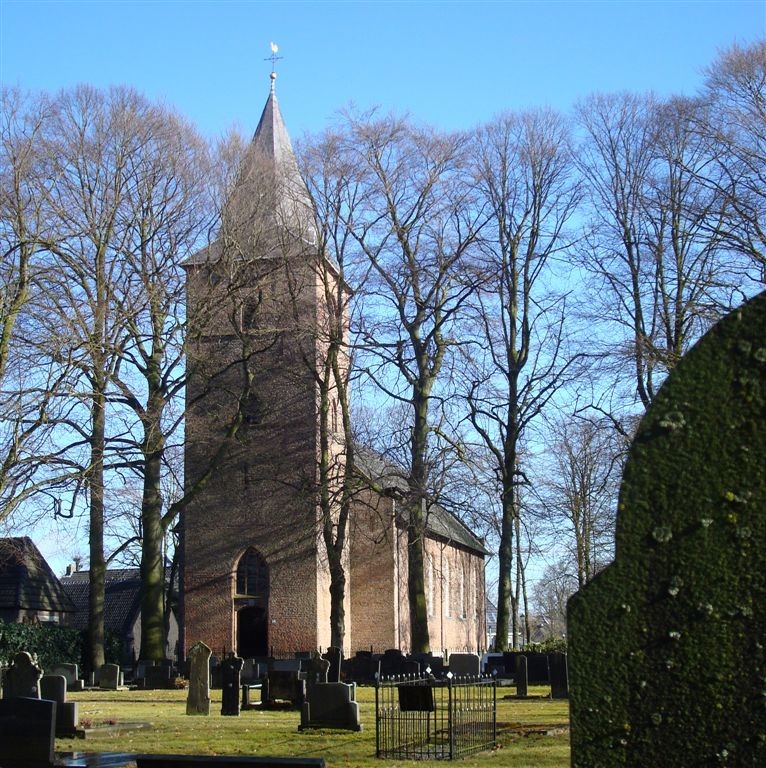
(421, 718)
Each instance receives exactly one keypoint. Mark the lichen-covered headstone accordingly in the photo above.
(667, 664)
(198, 699)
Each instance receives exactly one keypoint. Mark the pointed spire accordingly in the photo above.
(270, 164)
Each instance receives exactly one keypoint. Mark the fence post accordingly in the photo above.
(377, 717)
(449, 715)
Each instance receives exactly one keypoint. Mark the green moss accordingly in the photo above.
(684, 667)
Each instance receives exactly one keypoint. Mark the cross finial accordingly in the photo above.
(273, 59)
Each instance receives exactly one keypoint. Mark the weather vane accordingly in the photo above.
(273, 59)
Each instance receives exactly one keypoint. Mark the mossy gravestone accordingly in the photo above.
(667, 665)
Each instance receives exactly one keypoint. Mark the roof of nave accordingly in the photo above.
(390, 477)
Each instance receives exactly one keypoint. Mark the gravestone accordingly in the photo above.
(316, 671)
(109, 677)
(54, 688)
(231, 667)
(22, 678)
(335, 657)
(283, 686)
(557, 663)
(465, 664)
(198, 698)
(27, 732)
(393, 662)
(331, 705)
(521, 676)
(158, 677)
(71, 674)
(667, 648)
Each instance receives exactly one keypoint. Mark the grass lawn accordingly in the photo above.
(531, 733)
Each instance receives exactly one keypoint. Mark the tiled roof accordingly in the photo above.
(27, 581)
(388, 477)
(122, 598)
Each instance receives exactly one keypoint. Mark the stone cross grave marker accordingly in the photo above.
(667, 645)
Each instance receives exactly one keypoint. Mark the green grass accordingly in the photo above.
(522, 725)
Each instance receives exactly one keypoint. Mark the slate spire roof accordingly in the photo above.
(269, 181)
(269, 192)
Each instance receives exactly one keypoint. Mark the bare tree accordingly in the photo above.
(415, 225)
(579, 494)
(736, 126)
(33, 370)
(518, 356)
(94, 136)
(335, 192)
(652, 244)
(166, 213)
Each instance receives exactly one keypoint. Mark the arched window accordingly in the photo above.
(252, 575)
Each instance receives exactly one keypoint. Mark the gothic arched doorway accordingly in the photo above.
(252, 632)
(251, 604)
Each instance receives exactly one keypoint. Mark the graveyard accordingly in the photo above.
(532, 732)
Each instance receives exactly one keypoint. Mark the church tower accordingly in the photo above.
(253, 576)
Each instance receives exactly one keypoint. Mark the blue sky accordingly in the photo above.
(453, 64)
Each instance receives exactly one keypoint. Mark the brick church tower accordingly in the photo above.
(254, 579)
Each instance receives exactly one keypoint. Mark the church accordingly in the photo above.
(254, 573)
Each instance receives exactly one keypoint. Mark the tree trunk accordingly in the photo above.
(96, 656)
(416, 528)
(153, 532)
(505, 565)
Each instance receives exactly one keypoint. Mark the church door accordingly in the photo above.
(252, 632)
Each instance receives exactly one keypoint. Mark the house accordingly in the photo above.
(29, 590)
(122, 609)
(255, 579)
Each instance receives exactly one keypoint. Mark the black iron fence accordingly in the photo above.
(421, 718)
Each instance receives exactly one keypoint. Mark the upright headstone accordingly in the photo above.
(109, 677)
(54, 688)
(198, 699)
(667, 657)
(22, 678)
(72, 675)
(465, 664)
(334, 655)
(27, 733)
(231, 667)
(521, 676)
(557, 663)
(316, 671)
